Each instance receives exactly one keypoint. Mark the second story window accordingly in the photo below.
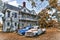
(8, 13)
(22, 15)
(15, 15)
(28, 16)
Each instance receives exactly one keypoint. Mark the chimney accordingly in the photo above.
(24, 4)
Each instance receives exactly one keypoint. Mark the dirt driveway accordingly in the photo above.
(51, 34)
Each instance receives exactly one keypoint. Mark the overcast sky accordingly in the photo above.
(39, 7)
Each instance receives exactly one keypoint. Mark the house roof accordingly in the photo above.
(8, 6)
(22, 9)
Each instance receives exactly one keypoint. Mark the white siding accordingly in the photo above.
(5, 25)
(15, 26)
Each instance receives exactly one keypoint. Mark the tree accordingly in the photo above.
(43, 21)
(33, 3)
(55, 4)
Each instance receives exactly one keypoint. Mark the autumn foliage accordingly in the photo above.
(44, 22)
(43, 18)
(53, 3)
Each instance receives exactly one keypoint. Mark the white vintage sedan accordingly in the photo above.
(34, 31)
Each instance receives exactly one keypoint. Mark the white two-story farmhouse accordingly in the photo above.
(18, 17)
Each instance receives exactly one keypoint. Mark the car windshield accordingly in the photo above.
(27, 28)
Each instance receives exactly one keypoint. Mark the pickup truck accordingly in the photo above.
(34, 31)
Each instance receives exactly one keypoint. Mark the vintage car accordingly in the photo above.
(35, 31)
(22, 31)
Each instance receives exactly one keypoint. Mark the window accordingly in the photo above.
(22, 15)
(28, 16)
(15, 24)
(34, 17)
(8, 24)
(22, 24)
(19, 12)
(15, 15)
(8, 13)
